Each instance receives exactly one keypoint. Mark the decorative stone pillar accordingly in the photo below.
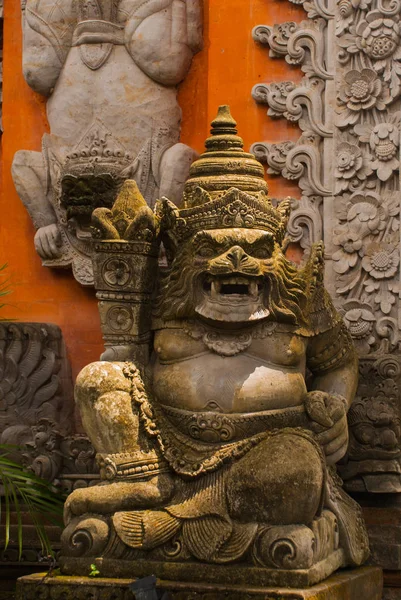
(125, 265)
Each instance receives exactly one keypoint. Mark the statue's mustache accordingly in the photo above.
(224, 266)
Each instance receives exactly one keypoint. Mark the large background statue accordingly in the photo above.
(110, 69)
(218, 449)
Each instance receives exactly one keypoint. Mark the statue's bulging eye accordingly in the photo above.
(261, 253)
(206, 252)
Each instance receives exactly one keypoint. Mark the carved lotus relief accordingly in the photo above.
(383, 140)
(366, 212)
(346, 256)
(365, 260)
(377, 37)
(360, 91)
(352, 167)
(381, 260)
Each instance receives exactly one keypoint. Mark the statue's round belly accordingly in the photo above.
(230, 384)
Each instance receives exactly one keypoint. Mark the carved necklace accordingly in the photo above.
(226, 343)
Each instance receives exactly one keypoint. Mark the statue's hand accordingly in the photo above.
(48, 242)
(329, 423)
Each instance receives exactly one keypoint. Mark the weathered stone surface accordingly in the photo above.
(355, 584)
(110, 70)
(215, 456)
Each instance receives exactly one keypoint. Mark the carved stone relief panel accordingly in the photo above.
(110, 70)
(37, 405)
(346, 163)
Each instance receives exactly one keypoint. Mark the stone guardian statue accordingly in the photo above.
(218, 451)
(110, 70)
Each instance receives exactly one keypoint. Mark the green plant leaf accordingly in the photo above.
(94, 572)
(43, 502)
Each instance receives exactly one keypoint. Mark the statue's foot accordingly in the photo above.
(110, 498)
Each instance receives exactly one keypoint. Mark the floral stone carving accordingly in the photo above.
(348, 109)
(202, 444)
(110, 70)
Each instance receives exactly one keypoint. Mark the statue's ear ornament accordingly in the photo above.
(284, 208)
(314, 268)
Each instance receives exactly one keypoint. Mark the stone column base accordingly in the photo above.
(364, 583)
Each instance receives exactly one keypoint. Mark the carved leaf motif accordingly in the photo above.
(305, 225)
(30, 379)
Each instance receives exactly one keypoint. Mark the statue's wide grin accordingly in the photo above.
(233, 289)
(232, 298)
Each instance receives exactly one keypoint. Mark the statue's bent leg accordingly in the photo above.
(174, 171)
(278, 482)
(103, 394)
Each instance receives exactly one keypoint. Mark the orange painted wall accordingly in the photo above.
(223, 73)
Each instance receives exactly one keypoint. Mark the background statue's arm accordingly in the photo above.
(163, 35)
(47, 35)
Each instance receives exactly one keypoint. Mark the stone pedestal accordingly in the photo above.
(366, 583)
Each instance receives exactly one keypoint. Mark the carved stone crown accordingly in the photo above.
(93, 172)
(225, 189)
(97, 153)
(234, 209)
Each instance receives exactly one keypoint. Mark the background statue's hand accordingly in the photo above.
(329, 423)
(48, 242)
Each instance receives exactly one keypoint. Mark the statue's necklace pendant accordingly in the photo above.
(97, 32)
(227, 343)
